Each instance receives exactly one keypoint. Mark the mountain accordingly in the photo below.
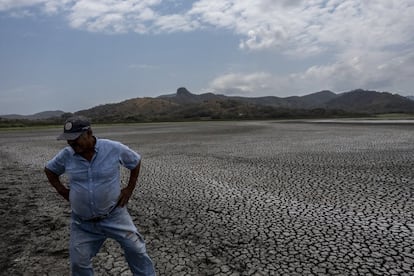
(410, 97)
(363, 101)
(130, 110)
(185, 105)
(317, 99)
(37, 116)
(178, 106)
(183, 96)
(314, 100)
(310, 101)
(356, 101)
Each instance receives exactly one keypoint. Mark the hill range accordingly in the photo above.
(184, 105)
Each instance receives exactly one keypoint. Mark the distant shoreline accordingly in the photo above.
(361, 121)
(381, 120)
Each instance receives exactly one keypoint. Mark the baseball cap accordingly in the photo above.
(74, 127)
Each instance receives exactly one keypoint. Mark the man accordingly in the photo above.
(98, 204)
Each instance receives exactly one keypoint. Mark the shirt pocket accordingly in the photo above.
(77, 174)
(106, 172)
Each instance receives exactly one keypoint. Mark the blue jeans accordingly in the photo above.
(86, 238)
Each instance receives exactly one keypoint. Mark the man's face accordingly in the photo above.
(82, 143)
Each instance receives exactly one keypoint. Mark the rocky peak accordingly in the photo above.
(182, 91)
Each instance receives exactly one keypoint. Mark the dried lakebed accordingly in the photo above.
(230, 198)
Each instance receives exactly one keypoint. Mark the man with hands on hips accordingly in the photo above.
(97, 201)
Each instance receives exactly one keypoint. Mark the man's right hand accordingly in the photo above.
(55, 181)
(64, 192)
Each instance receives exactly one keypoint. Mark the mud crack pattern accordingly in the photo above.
(231, 198)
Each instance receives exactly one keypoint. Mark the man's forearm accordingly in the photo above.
(126, 192)
(133, 177)
(55, 182)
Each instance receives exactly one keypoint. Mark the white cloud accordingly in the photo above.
(261, 24)
(369, 42)
(242, 84)
(375, 71)
(21, 6)
(293, 27)
(111, 15)
(174, 23)
(318, 24)
(55, 6)
(15, 4)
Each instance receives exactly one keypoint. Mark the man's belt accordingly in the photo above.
(96, 219)
(100, 218)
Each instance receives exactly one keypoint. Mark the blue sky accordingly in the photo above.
(75, 54)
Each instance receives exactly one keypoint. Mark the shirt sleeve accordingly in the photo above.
(58, 164)
(128, 158)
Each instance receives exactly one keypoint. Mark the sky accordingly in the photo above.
(72, 55)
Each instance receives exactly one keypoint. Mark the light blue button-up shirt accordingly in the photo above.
(94, 186)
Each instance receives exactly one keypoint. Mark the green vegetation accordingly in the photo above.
(20, 123)
(192, 113)
(395, 116)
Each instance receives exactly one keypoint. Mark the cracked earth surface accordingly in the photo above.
(230, 198)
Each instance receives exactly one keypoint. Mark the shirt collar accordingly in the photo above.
(97, 144)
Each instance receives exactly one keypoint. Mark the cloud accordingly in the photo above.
(6, 5)
(261, 24)
(112, 16)
(375, 70)
(391, 72)
(242, 84)
(292, 27)
(175, 23)
(295, 26)
(366, 44)
(20, 6)
(362, 43)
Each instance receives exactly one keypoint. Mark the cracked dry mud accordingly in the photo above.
(230, 198)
